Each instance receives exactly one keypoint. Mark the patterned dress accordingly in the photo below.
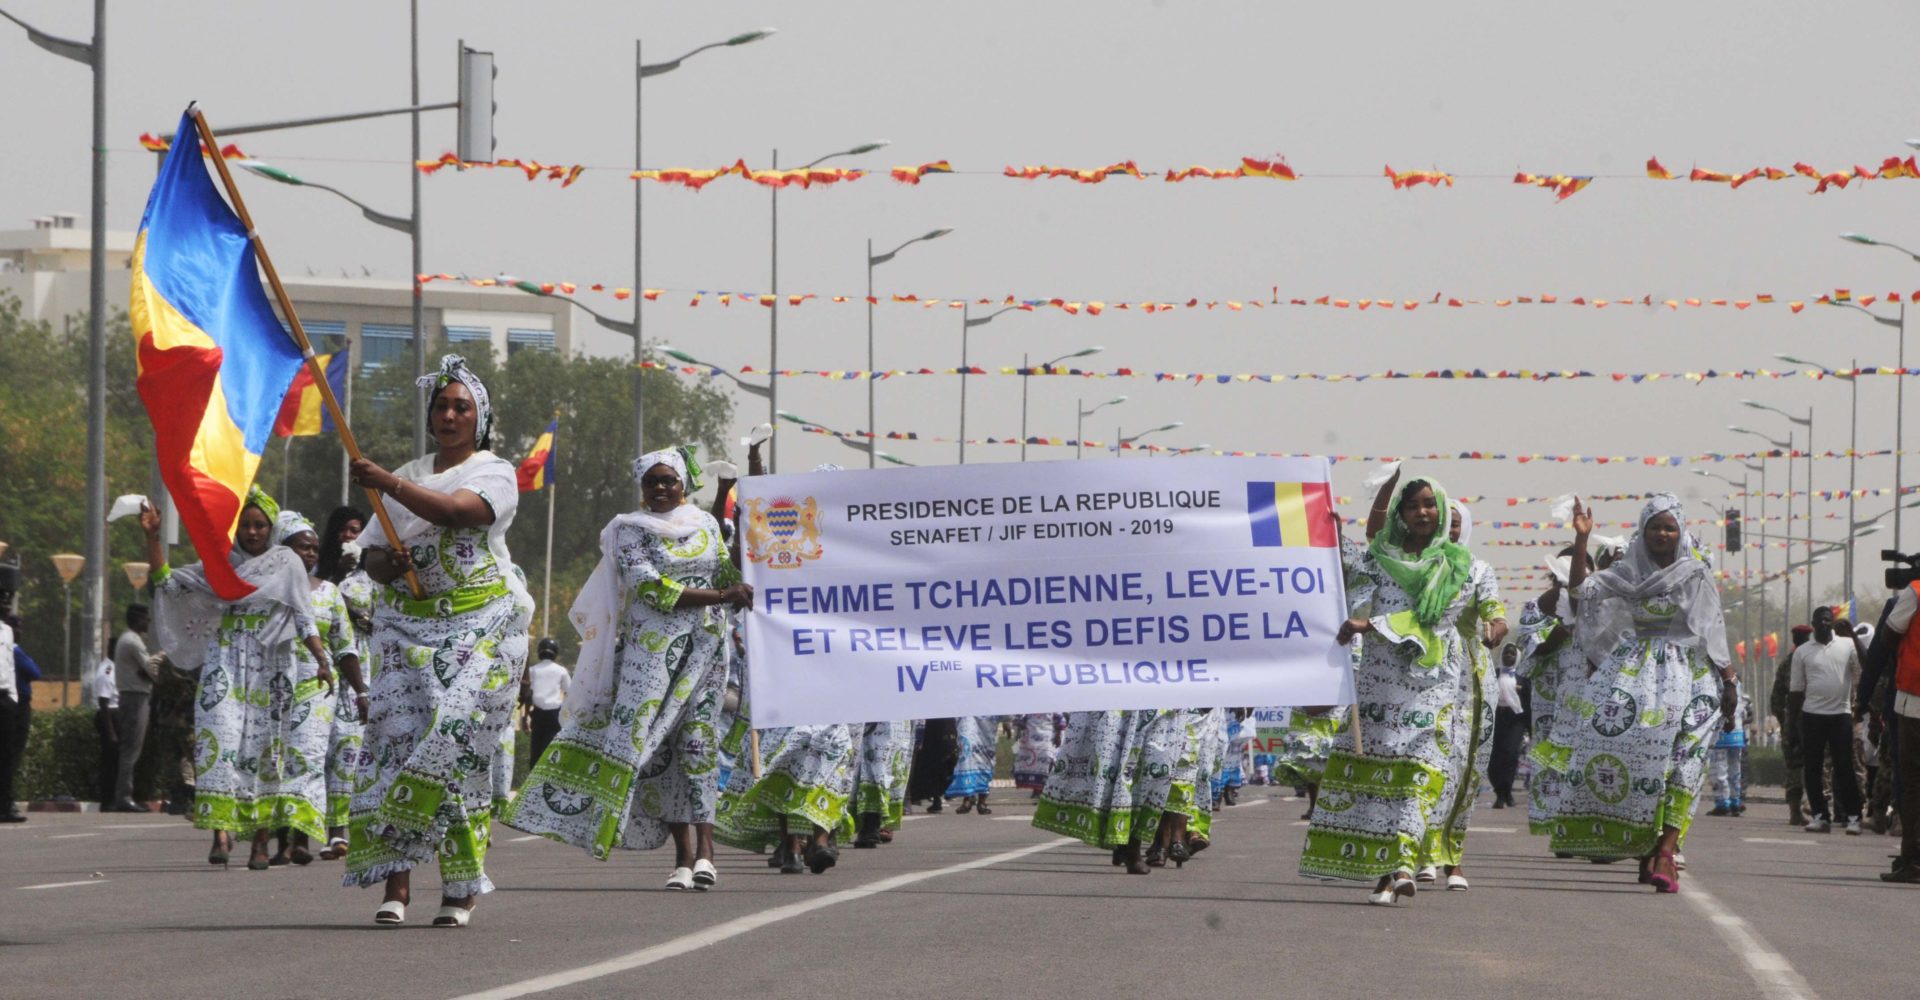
(886, 750)
(979, 744)
(314, 733)
(1468, 727)
(807, 779)
(257, 765)
(1376, 807)
(348, 765)
(1550, 673)
(1632, 739)
(1112, 777)
(647, 755)
(1034, 752)
(1190, 786)
(446, 674)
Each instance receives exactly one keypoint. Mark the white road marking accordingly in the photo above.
(1779, 840)
(522, 840)
(1492, 829)
(1250, 805)
(70, 836)
(1300, 822)
(734, 928)
(1770, 970)
(1014, 819)
(63, 885)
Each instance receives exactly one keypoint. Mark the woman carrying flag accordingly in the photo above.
(241, 649)
(448, 661)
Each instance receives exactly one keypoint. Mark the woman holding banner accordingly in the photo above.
(1379, 793)
(1652, 628)
(636, 762)
(448, 661)
(240, 649)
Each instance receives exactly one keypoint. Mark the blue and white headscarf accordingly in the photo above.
(454, 368)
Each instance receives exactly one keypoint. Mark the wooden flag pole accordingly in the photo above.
(546, 587)
(299, 332)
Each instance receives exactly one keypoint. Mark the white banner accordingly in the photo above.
(1010, 589)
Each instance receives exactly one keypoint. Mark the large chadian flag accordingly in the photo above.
(302, 414)
(536, 471)
(214, 361)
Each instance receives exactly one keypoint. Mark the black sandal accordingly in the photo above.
(981, 807)
(965, 806)
(821, 858)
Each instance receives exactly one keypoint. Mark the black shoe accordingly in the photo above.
(935, 805)
(128, 806)
(822, 858)
(13, 817)
(1907, 873)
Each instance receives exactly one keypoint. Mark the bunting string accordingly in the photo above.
(695, 297)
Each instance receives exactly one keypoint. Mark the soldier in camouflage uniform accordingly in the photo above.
(1790, 739)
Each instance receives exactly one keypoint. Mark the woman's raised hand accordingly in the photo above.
(1582, 519)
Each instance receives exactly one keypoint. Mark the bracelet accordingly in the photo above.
(398, 483)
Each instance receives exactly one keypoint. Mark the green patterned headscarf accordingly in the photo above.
(1434, 577)
(257, 497)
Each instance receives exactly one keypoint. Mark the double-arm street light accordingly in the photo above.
(1786, 446)
(93, 55)
(967, 323)
(870, 445)
(1026, 375)
(1807, 527)
(1080, 423)
(641, 70)
(773, 314)
(372, 215)
(1899, 325)
(875, 260)
(683, 357)
(1853, 455)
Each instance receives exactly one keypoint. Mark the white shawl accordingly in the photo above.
(482, 473)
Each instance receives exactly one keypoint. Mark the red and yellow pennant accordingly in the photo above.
(1562, 185)
(1276, 169)
(912, 175)
(1403, 179)
(802, 177)
(534, 169)
(154, 144)
(1083, 176)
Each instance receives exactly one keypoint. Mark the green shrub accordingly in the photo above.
(1766, 766)
(63, 759)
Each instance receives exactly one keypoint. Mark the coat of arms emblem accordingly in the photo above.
(783, 533)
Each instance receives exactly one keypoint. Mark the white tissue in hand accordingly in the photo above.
(1378, 477)
(723, 470)
(760, 433)
(1563, 509)
(1561, 567)
(126, 505)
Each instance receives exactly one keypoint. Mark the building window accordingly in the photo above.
(326, 335)
(538, 340)
(381, 343)
(469, 335)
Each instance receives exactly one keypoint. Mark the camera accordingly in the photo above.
(1903, 575)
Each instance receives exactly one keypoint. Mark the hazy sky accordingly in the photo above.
(1475, 88)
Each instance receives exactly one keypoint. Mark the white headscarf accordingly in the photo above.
(454, 368)
(1466, 521)
(1607, 598)
(675, 524)
(289, 524)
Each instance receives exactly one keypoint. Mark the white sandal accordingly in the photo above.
(390, 913)
(1456, 883)
(1427, 875)
(452, 916)
(681, 879)
(704, 875)
(1400, 885)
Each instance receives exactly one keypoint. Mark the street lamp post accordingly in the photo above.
(875, 260)
(1786, 577)
(93, 55)
(1120, 442)
(967, 323)
(1807, 422)
(773, 312)
(683, 357)
(1080, 423)
(1026, 373)
(1899, 383)
(1853, 460)
(642, 70)
(69, 566)
(868, 445)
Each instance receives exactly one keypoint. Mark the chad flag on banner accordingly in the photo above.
(302, 414)
(214, 361)
(537, 470)
(1291, 514)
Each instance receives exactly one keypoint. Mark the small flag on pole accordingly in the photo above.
(301, 413)
(537, 471)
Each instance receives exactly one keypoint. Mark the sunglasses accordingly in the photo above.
(654, 482)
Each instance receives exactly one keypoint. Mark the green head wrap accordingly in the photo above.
(257, 497)
(1432, 578)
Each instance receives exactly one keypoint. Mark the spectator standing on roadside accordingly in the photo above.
(133, 672)
(1726, 763)
(1509, 728)
(1820, 711)
(106, 709)
(1790, 740)
(1904, 721)
(10, 714)
(548, 681)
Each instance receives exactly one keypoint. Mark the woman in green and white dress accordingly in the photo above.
(1468, 729)
(1552, 663)
(1632, 740)
(1111, 781)
(447, 663)
(1381, 785)
(253, 775)
(314, 714)
(637, 759)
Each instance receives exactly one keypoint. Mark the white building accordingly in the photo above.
(46, 267)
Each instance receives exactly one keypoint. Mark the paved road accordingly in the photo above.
(963, 907)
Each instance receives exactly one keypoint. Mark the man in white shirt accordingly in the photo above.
(106, 702)
(545, 691)
(1820, 708)
(10, 716)
(135, 673)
